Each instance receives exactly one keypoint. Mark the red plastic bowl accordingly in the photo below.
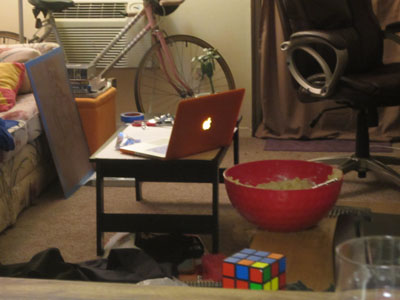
(281, 210)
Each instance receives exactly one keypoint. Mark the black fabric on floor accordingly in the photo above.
(123, 265)
(300, 286)
(173, 248)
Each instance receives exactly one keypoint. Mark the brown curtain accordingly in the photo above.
(284, 116)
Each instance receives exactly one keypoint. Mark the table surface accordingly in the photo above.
(109, 152)
(17, 288)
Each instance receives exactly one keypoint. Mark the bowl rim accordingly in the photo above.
(231, 180)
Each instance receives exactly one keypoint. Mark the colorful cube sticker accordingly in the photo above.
(242, 284)
(228, 267)
(256, 270)
(260, 272)
(228, 282)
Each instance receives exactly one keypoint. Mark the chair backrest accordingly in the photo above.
(353, 20)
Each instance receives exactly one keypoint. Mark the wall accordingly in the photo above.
(9, 17)
(225, 24)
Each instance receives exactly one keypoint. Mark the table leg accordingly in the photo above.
(236, 146)
(138, 189)
(99, 210)
(215, 233)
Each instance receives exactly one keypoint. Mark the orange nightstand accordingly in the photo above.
(98, 117)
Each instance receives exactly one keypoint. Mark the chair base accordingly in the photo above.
(377, 164)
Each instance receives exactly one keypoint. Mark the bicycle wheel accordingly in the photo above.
(155, 95)
(8, 37)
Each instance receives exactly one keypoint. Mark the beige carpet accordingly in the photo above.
(69, 224)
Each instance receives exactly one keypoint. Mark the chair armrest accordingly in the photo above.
(333, 40)
(321, 84)
(391, 30)
(393, 27)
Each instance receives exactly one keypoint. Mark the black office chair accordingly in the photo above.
(334, 52)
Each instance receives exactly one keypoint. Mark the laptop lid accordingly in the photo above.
(201, 124)
(204, 123)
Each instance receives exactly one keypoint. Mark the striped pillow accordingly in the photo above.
(11, 77)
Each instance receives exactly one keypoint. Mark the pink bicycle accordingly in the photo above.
(166, 73)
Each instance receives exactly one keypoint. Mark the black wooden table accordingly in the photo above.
(200, 168)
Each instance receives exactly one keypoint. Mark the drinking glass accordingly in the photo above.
(368, 268)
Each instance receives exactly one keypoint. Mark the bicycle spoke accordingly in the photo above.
(153, 91)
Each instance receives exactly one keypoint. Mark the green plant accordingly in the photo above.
(207, 64)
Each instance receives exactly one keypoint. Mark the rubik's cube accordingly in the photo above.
(254, 270)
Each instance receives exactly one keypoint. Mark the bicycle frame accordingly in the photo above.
(164, 55)
(166, 61)
(158, 35)
(49, 27)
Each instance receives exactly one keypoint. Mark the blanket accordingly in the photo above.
(6, 139)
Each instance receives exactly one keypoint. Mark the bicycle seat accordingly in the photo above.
(52, 5)
(165, 7)
(171, 2)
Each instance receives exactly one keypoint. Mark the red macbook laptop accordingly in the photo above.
(201, 124)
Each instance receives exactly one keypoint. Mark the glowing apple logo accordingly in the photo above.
(207, 124)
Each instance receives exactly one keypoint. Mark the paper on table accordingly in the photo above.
(150, 138)
(149, 133)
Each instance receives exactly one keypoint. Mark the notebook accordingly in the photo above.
(201, 124)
